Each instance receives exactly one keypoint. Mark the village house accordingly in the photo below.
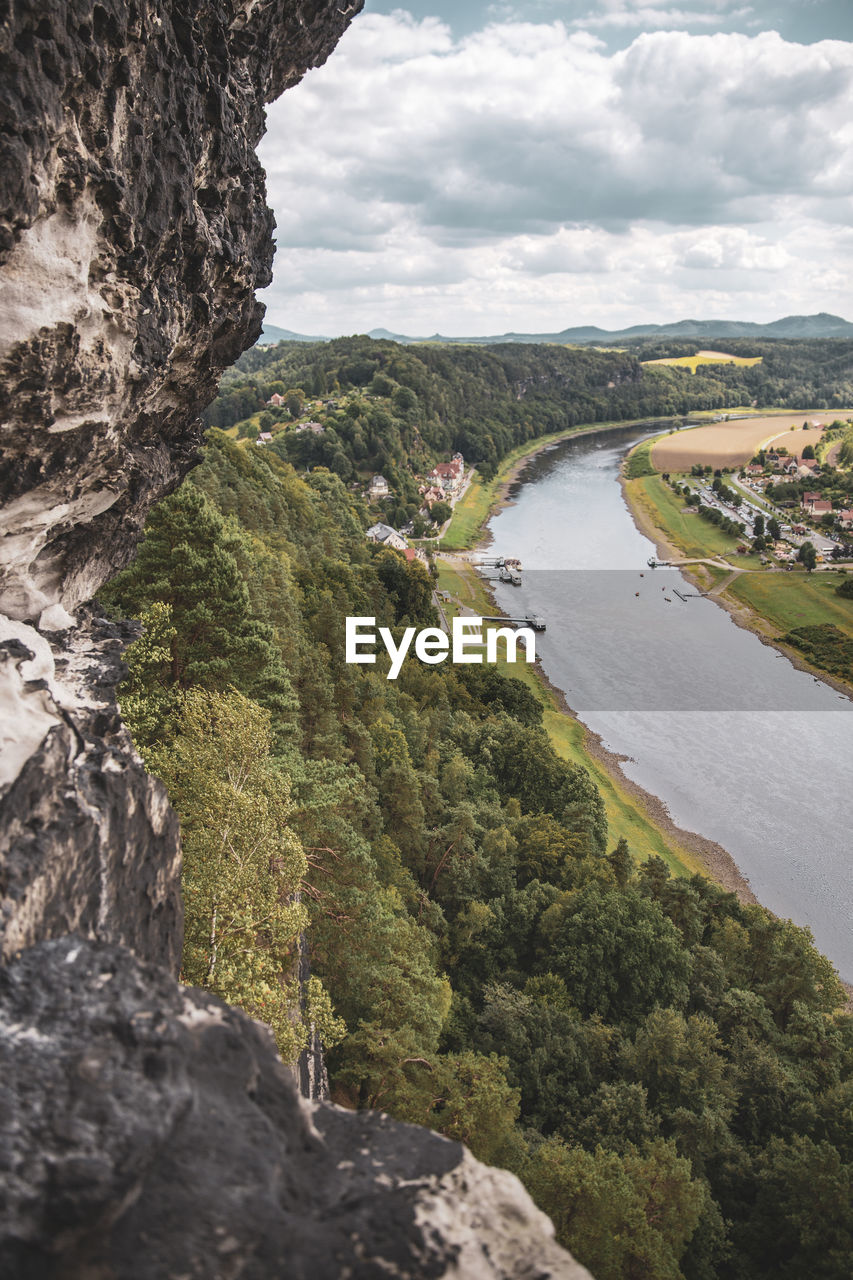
(823, 507)
(754, 469)
(265, 436)
(846, 518)
(782, 462)
(448, 475)
(808, 466)
(316, 427)
(809, 499)
(430, 494)
(387, 537)
(276, 400)
(378, 488)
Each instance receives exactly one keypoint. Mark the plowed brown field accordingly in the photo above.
(728, 444)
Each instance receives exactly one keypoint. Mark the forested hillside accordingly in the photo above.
(390, 406)
(669, 1072)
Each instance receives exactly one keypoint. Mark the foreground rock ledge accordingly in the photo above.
(149, 1131)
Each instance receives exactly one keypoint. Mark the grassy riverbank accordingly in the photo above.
(682, 528)
(484, 496)
(570, 738)
(764, 600)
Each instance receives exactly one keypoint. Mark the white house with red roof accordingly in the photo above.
(448, 475)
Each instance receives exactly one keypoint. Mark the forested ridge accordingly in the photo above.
(425, 401)
(668, 1071)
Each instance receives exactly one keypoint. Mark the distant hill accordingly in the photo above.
(271, 333)
(822, 325)
(388, 336)
(818, 326)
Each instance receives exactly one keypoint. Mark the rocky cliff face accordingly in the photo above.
(158, 1134)
(134, 232)
(147, 1129)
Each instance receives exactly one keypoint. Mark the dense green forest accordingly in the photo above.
(668, 1071)
(813, 373)
(424, 400)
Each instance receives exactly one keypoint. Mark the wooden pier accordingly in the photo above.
(532, 620)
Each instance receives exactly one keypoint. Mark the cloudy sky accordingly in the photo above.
(470, 167)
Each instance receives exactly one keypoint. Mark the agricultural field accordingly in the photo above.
(733, 443)
(706, 357)
(797, 439)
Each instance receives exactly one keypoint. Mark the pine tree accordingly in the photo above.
(188, 561)
(622, 862)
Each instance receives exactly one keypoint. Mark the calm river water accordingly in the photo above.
(741, 746)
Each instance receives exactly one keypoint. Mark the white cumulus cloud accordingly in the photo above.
(525, 177)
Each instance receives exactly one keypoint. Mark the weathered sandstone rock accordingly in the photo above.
(147, 1131)
(154, 1133)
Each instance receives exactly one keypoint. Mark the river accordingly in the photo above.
(740, 746)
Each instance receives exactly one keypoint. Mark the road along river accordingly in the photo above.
(739, 745)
